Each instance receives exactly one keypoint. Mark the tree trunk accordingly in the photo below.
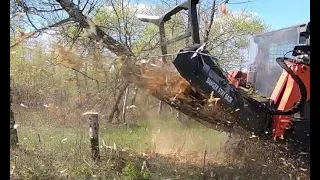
(164, 50)
(93, 134)
(135, 92)
(13, 131)
(86, 80)
(78, 85)
(123, 115)
(115, 106)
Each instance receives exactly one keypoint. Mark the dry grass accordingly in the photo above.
(169, 149)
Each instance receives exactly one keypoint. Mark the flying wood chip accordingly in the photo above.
(69, 59)
(223, 9)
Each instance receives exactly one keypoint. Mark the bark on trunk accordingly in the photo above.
(93, 134)
(13, 131)
(123, 116)
(134, 94)
(115, 106)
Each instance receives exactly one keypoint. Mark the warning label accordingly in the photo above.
(219, 90)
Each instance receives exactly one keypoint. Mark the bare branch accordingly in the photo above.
(92, 7)
(243, 2)
(84, 74)
(213, 10)
(31, 21)
(47, 10)
(39, 31)
(118, 19)
(97, 34)
(85, 5)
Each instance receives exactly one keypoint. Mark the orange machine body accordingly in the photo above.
(237, 78)
(286, 94)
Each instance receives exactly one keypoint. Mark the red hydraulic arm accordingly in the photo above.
(286, 94)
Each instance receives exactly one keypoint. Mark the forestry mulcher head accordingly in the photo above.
(201, 70)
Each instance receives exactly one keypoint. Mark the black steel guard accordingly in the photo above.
(203, 73)
(193, 31)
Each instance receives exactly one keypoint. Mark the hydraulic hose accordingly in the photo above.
(302, 88)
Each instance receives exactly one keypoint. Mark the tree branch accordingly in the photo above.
(85, 5)
(213, 10)
(31, 21)
(243, 2)
(39, 31)
(96, 33)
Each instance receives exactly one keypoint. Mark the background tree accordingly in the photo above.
(72, 47)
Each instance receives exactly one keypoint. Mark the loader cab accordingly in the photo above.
(263, 71)
(305, 35)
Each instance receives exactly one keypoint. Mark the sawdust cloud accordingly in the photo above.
(185, 144)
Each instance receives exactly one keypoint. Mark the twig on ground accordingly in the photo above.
(176, 178)
(204, 160)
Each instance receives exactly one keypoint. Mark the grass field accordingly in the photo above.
(153, 148)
